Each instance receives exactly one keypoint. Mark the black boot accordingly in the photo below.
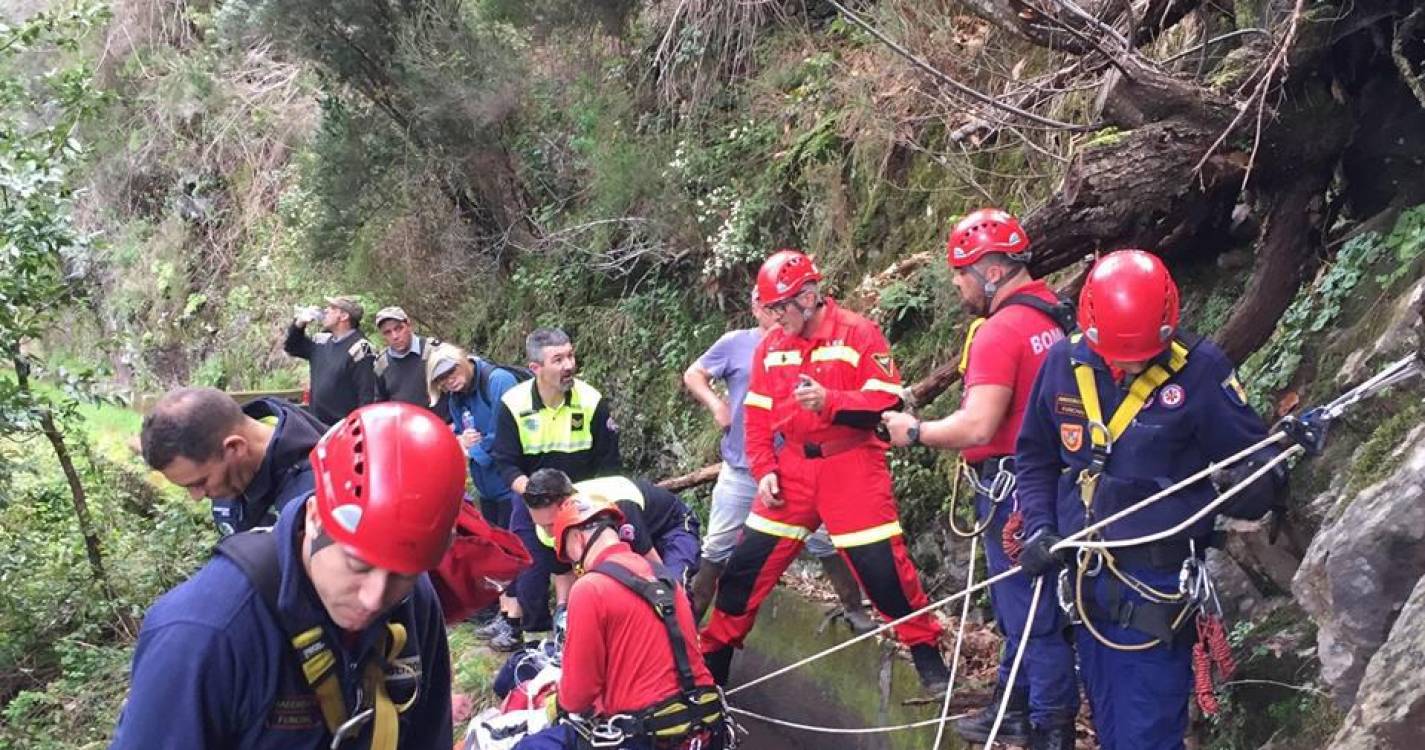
(720, 664)
(1014, 729)
(853, 608)
(704, 587)
(930, 666)
(1056, 736)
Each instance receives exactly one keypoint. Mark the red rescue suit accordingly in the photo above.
(831, 468)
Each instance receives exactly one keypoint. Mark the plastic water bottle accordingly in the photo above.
(467, 420)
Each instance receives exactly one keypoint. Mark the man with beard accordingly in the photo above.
(340, 358)
(250, 460)
(553, 421)
(1017, 319)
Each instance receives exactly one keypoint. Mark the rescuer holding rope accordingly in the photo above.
(1118, 413)
(1018, 318)
(820, 381)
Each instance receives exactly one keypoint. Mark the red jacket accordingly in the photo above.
(849, 357)
(617, 656)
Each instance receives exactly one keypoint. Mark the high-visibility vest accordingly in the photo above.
(566, 428)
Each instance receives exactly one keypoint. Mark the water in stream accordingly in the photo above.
(860, 686)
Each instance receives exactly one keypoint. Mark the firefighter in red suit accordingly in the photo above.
(820, 382)
(631, 676)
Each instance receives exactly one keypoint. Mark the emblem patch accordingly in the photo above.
(298, 712)
(1172, 396)
(1072, 436)
(627, 533)
(531, 424)
(576, 421)
(1069, 406)
(1234, 390)
(884, 362)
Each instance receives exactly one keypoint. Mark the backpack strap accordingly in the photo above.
(1061, 312)
(255, 554)
(660, 593)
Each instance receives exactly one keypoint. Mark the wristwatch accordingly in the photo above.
(914, 433)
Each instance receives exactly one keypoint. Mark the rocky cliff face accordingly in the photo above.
(1363, 576)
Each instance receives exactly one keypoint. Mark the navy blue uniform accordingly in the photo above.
(1199, 415)
(655, 519)
(214, 670)
(284, 475)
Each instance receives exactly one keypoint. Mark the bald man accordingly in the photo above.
(250, 460)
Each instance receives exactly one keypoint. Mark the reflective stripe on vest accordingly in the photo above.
(566, 428)
(841, 353)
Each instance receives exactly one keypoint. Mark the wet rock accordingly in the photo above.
(1362, 567)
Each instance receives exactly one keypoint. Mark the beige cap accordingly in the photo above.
(391, 313)
(349, 306)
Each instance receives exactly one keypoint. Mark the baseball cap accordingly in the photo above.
(391, 313)
(349, 306)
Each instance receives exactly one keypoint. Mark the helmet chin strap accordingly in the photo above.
(986, 286)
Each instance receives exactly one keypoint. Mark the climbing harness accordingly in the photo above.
(390, 680)
(1308, 437)
(690, 719)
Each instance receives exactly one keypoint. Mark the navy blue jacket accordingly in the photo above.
(284, 475)
(479, 409)
(214, 670)
(1200, 415)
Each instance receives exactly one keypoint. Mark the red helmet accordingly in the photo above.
(1128, 309)
(389, 482)
(577, 511)
(783, 275)
(986, 231)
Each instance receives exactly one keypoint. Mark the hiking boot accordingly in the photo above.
(1058, 736)
(853, 607)
(704, 587)
(930, 666)
(509, 641)
(719, 664)
(494, 628)
(1014, 729)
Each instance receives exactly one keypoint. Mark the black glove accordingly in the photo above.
(1268, 492)
(1038, 557)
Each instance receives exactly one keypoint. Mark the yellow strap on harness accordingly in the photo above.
(969, 339)
(319, 668)
(1139, 392)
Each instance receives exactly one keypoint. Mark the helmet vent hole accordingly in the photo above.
(358, 467)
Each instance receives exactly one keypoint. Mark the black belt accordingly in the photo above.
(1165, 555)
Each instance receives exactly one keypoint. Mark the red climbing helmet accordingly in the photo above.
(986, 231)
(389, 482)
(783, 275)
(577, 511)
(1128, 309)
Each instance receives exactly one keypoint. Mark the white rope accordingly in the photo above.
(1018, 657)
(839, 730)
(1191, 479)
(1231, 492)
(959, 640)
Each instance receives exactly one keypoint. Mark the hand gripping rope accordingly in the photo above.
(1308, 433)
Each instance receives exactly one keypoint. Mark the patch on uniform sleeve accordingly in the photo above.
(1234, 390)
(885, 362)
(1072, 436)
(360, 350)
(1069, 406)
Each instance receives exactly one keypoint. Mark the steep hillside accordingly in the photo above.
(618, 168)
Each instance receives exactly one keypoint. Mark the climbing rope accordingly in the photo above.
(1018, 657)
(959, 640)
(1316, 421)
(841, 730)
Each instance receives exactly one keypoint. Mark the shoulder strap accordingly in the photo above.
(255, 554)
(1102, 434)
(1061, 312)
(659, 593)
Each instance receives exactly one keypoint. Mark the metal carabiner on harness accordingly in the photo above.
(349, 728)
